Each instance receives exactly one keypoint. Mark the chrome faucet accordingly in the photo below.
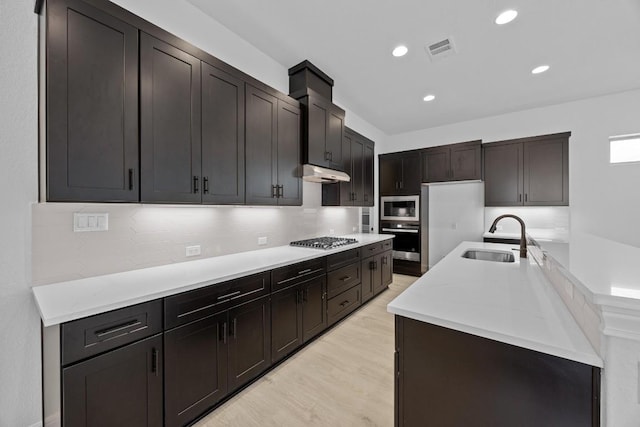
(523, 238)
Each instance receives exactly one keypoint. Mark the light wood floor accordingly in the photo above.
(344, 378)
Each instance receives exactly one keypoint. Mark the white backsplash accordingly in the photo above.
(142, 236)
(541, 221)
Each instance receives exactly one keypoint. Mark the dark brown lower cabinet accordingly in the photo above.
(377, 274)
(122, 387)
(209, 358)
(297, 314)
(195, 368)
(449, 378)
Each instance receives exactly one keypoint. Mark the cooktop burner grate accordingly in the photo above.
(324, 242)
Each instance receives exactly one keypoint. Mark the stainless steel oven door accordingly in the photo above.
(406, 244)
(400, 208)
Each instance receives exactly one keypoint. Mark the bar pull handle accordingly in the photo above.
(519, 197)
(154, 361)
(345, 278)
(131, 176)
(274, 191)
(232, 294)
(384, 260)
(280, 190)
(305, 295)
(526, 197)
(223, 331)
(118, 328)
(300, 273)
(233, 328)
(343, 303)
(195, 184)
(205, 185)
(327, 155)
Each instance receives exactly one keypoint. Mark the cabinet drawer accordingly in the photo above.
(387, 245)
(290, 275)
(93, 335)
(343, 258)
(194, 305)
(377, 248)
(343, 304)
(342, 279)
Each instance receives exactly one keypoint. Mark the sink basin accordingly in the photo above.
(489, 255)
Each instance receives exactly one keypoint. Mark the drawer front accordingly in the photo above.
(386, 245)
(194, 305)
(96, 334)
(371, 249)
(343, 304)
(342, 279)
(343, 258)
(290, 275)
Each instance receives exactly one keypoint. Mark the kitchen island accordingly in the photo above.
(491, 343)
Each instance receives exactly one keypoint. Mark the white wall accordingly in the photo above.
(19, 321)
(604, 198)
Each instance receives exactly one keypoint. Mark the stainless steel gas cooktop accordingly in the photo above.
(324, 242)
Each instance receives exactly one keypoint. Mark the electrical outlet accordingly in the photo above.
(354, 229)
(90, 222)
(331, 231)
(193, 250)
(262, 240)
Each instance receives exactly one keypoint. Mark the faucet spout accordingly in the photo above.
(523, 238)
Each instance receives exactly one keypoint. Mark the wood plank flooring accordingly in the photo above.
(344, 378)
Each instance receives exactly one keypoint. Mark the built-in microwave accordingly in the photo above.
(400, 208)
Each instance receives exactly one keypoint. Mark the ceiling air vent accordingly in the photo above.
(441, 49)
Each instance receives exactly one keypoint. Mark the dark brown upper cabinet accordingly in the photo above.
(453, 162)
(527, 171)
(272, 150)
(400, 173)
(223, 122)
(170, 132)
(357, 157)
(324, 129)
(92, 105)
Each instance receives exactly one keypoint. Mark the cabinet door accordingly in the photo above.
(314, 307)
(357, 171)
(249, 341)
(289, 155)
(286, 322)
(335, 132)
(222, 137)
(390, 174)
(368, 265)
(317, 126)
(503, 177)
(381, 270)
(195, 368)
(410, 181)
(92, 105)
(367, 164)
(122, 387)
(346, 188)
(466, 161)
(386, 266)
(170, 123)
(436, 164)
(261, 147)
(546, 173)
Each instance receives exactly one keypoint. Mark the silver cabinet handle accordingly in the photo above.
(399, 230)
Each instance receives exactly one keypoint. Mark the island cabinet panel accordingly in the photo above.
(170, 133)
(92, 105)
(195, 368)
(450, 378)
(222, 137)
(120, 388)
(527, 171)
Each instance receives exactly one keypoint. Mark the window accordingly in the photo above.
(624, 148)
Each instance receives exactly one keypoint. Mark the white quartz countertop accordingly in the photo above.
(65, 301)
(608, 271)
(507, 302)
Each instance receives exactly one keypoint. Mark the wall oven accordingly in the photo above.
(400, 208)
(406, 244)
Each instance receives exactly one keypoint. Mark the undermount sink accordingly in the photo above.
(489, 255)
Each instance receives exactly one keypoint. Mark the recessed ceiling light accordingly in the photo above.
(506, 17)
(540, 69)
(400, 51)
(429, 98)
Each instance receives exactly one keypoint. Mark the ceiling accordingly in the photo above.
(592, 46)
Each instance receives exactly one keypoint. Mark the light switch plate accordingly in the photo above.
(90, 222)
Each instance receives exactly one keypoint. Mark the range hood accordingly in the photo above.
(315, 173)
